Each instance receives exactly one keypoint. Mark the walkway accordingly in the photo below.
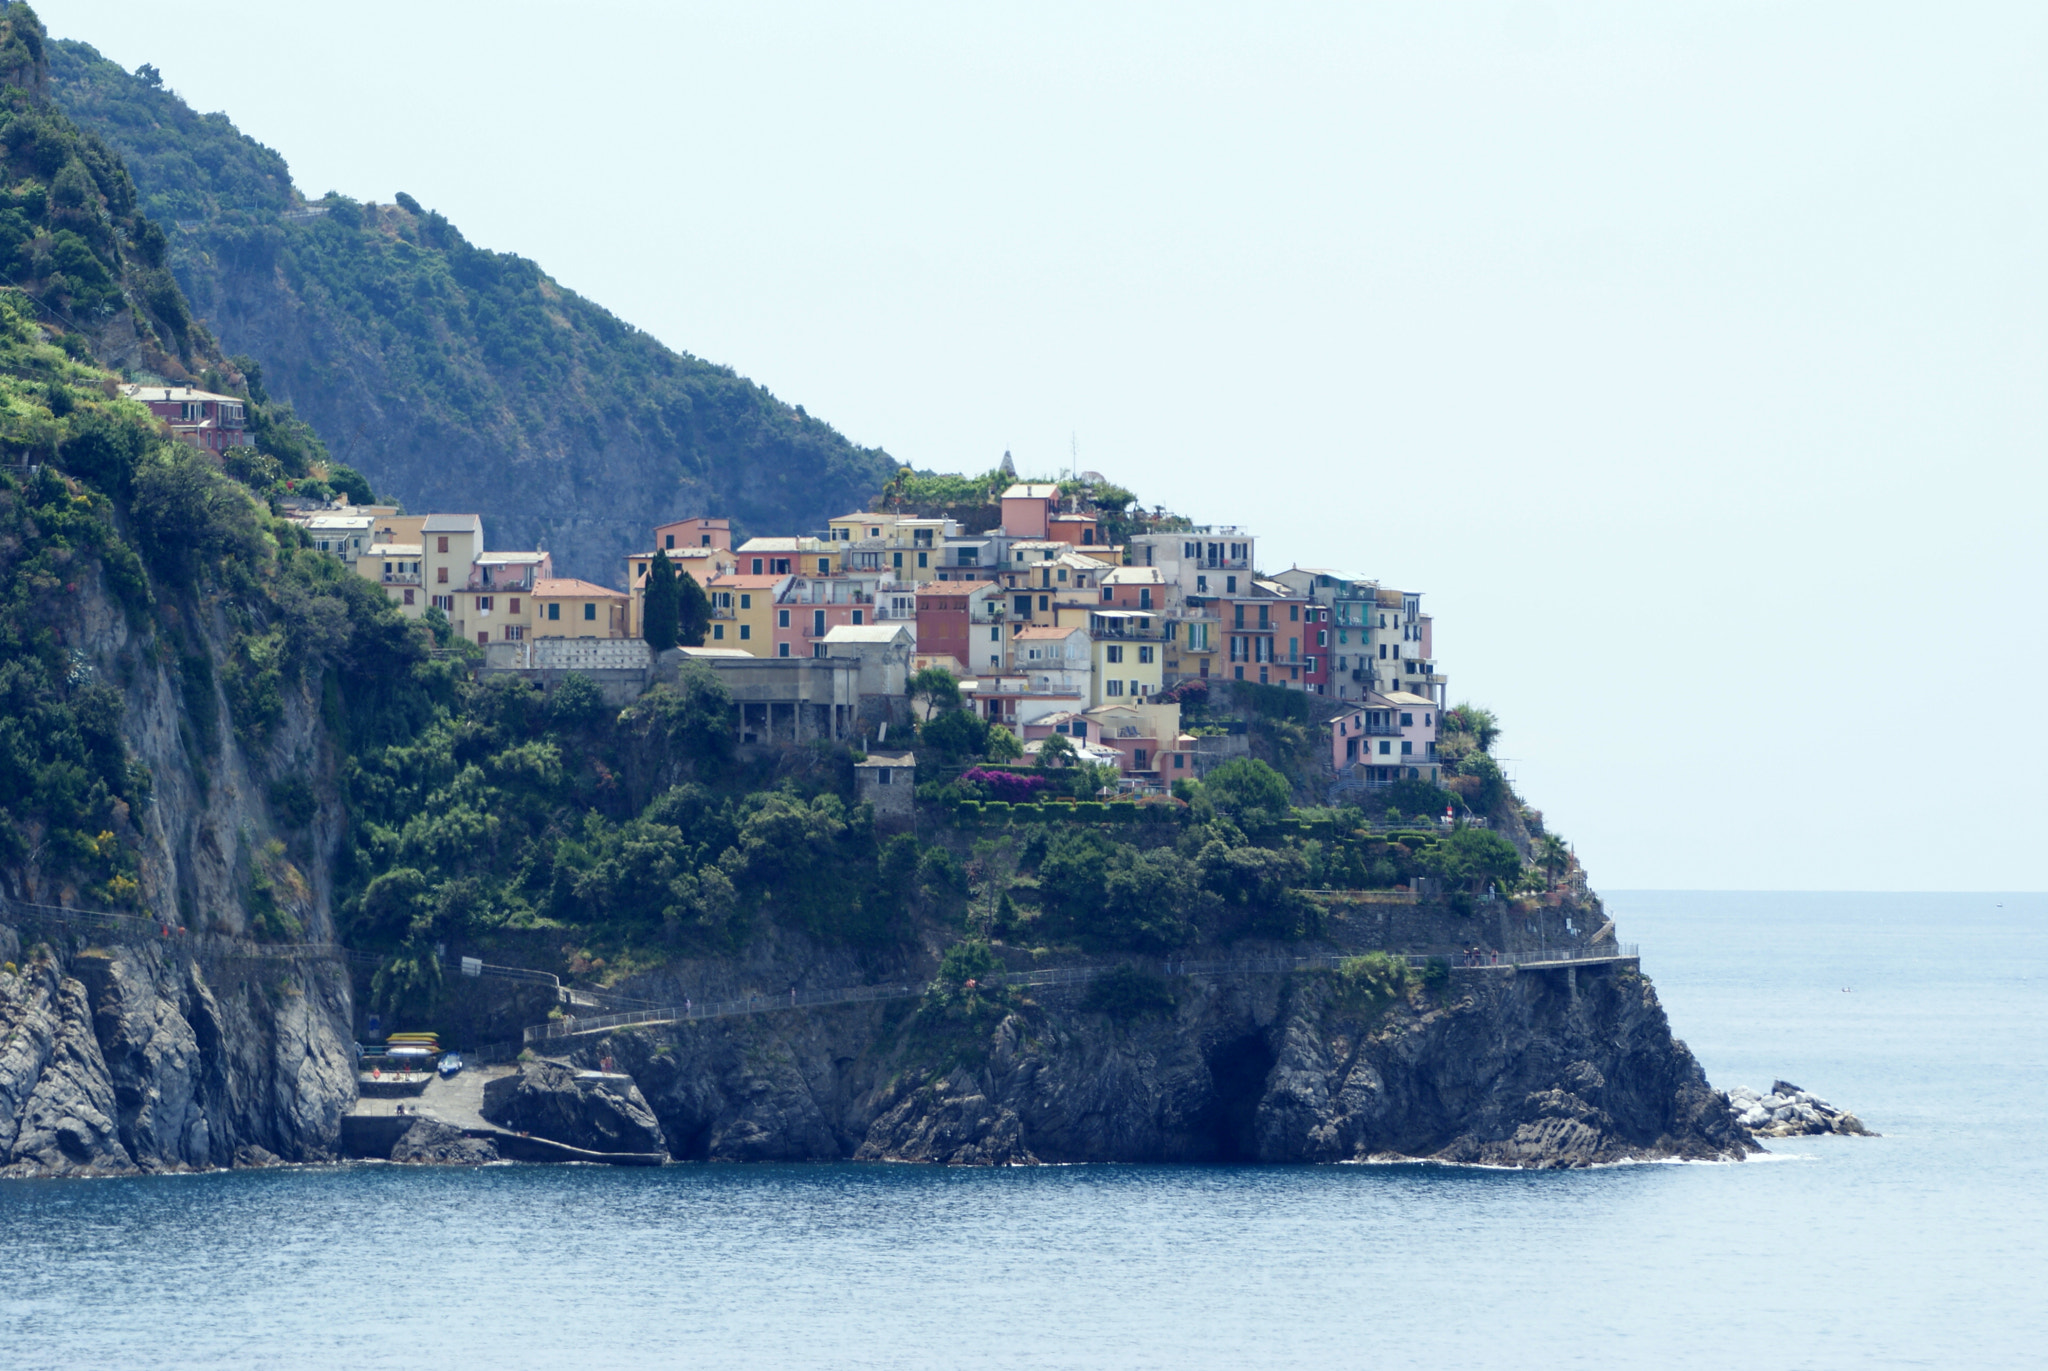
(691, 1011)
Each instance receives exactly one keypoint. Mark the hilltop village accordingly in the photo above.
(1044, 626)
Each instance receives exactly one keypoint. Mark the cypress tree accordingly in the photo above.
(658, 604)
(693, 611)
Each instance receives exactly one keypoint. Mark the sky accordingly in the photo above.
(1689, 359)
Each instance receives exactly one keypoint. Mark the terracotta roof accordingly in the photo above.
(1047, 631)
(565, 588)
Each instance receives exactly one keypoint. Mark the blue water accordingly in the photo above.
(1924, 1014)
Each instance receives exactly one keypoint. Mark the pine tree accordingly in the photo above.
(659, 603)
(693, 610)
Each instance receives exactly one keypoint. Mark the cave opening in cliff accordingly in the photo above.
(1238, 1070)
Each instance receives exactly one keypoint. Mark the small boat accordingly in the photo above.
(451, 1064)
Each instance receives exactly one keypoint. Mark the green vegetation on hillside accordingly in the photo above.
(455, 377)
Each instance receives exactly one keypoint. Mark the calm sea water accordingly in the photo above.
(1924, 1014)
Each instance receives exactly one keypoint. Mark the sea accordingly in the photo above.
(1924, 1014)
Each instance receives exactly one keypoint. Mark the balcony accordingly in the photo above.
(400, 578)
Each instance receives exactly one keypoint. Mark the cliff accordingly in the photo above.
(1497, 1067)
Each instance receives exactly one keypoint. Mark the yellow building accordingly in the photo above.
(898, 546)
(561, 607)
(1128, 651)
(743, 612)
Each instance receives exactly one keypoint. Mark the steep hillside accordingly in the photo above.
(453, 377)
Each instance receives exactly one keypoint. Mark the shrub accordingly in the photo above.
(1008, 785)
(1367, 985)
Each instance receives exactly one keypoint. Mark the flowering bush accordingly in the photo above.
(1007, 785)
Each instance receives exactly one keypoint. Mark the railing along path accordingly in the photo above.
(762, 1003)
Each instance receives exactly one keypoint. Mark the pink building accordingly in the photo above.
(1028, 510)
(1393, 737)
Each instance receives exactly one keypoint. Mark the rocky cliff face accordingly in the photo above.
(1512, 1069)
(120, 1055)
(137, 1059)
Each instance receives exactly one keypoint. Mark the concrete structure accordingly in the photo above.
(620, 666)
(344, 535)
(782, 699)
(888, 781)
(884, 652)
(209, 422)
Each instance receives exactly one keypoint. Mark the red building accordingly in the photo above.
(212, 423)
(1315, 648)
(950, 615)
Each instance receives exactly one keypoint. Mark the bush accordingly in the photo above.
(1367, 985)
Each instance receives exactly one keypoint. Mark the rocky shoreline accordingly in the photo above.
(1789, 1112)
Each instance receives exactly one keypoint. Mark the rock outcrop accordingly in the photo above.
(595, 1110)
(1789, 1112)
(433, 1143)
(135, 1059)
(1508, 1069)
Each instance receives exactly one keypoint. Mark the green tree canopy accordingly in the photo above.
(659, 606)
(693, 611)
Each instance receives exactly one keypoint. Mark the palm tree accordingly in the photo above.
(1553, 856)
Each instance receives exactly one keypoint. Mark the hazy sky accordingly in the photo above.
(1689, 359)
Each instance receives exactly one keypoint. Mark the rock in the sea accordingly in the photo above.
(252, 1157)
(1789, 1112)
(433, 1143)
(597, 1111)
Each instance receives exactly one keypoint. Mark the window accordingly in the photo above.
(1264, 620)
(882, 776)
(589, 611)
(1144, 597)
(995, 633)
(781, 566)
(1044, 602)
(408, 595)
(441, 573)
(703, 540)
(746, 632)
(1137, 689)
(717, 631)
(781, 649)
(514, 606)
(857, 618)
(817, 623)
(824, 566)
(1201, 585)
(1063, 573)
(1240, 616)
(1407, 721)
(1407, 749)
(483, 604)
(515, 633)
(671, 540)
(1230, 585)
(1383, 652)
(442, 545)
(782, 618)
(1113, 653)
(896, 560)
(1427, 721)
(757, 566)
(1107, 595)
(1081, 729)
(1113, 688)
(923, 559)
(747, 602)
(483, 637)
(1386, 748)
(1180, 761)
(1138, 755)
(1023, 606)
(1144, 655)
